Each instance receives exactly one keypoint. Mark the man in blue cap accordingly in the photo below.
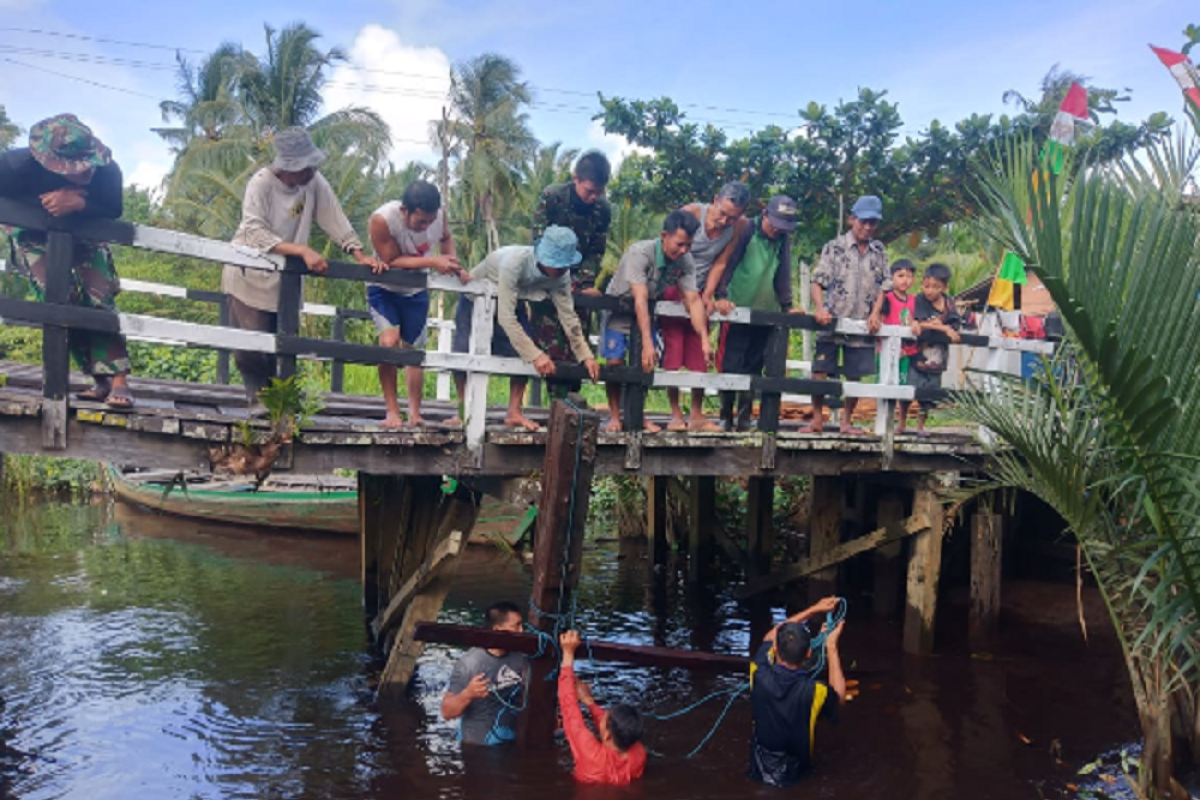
(851, 273)
(538, 272)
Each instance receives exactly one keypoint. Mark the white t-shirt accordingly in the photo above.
(411, 243)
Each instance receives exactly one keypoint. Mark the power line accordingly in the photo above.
(81, 80)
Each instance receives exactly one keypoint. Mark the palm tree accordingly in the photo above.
(9, 130)
(207, 106)
(1109, 434)
(547, 164)
(489, 134)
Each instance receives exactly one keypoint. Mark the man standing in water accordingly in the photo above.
(787, 700)
(486, 685)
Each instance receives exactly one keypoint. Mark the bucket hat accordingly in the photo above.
(65, 146)
(295, 151)
(558, 248)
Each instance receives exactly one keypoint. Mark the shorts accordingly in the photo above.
(681, 345)
(743, 349)
(501, 345)
(903, 368)
(409, 313)
(855, 362)
(925, 380)
(614, 344)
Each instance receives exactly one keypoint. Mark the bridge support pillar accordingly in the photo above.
(983, 623)
(887, 566)
(702, 516)
(657, 518)
(824, 532)
(410, 532)
(760, 529)
(924, 573)
(557, 553)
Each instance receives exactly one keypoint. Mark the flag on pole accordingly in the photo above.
(1012, 272)
(1184, 72)
(1074, 109)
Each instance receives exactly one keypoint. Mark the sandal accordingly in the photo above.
(98, 393)
(119, 398)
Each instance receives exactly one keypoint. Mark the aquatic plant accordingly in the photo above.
(1108, 433)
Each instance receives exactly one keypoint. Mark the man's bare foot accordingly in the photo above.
(677, 424)
(850, 430)
(415, 419)
(392, 421)
(453, 422)
(703, 425)
(650, 427)
(521, 421)
(812, 427)
(613, 426)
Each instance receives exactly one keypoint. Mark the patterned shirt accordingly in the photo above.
(559, 205)
(851, 281)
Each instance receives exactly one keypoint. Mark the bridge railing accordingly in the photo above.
(58, 317)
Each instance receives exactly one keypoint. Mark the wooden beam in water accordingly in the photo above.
(924, 574)
(887, 564)
(824, 532)
(527, 643)
(828, 558)
(983, 623)
(391, 616)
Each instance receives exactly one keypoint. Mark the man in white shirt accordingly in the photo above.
(281, 204)
(403, 235)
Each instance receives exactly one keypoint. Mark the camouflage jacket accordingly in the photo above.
(558, 205)
(851, 281)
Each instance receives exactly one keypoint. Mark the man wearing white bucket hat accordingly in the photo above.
(281, 203)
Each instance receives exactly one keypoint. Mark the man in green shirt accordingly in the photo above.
(759, 276)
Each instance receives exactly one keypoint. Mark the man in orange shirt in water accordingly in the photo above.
(617, 756)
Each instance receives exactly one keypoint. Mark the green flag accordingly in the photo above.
(1012, 268)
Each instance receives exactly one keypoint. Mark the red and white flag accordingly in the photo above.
(1183, 70)
(1074, 109)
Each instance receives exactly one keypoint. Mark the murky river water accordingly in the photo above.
(146, 657)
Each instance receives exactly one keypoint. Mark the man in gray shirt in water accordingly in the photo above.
(487, 685)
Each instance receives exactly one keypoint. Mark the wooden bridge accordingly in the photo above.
(871, 491)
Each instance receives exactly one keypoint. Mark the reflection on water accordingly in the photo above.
(147, 657)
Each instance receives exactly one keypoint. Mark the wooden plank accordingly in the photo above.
(640, 655)
(372, 489)
(56, 358)
(893, 532)
(924, 574)
(185, 244)
(390, 617)
(986, 542)
(475, 399)
(887, 564)
(291, 297)
(775, 366)
(824, 532)
(558, 550)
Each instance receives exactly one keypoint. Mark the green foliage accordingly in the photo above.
(173, 363)
(840, 153)
(290, 403)
(1109, 434)
(9, 130)
(25, 476)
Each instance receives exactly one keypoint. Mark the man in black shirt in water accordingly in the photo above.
(788, 701)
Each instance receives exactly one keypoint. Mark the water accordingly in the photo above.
(146, 657)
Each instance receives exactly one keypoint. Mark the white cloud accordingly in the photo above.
(405, 85)
(613, 145)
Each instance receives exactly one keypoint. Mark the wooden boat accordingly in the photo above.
(306, 502)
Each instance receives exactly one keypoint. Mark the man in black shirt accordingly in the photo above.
(787, 700)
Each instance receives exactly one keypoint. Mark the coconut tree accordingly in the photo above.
(9, 130)
(1109, 434)
(489, 134)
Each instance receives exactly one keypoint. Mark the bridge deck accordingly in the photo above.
(175, 423)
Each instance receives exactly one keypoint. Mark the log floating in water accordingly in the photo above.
(641, 655)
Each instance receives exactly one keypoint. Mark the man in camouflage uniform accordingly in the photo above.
(578, 204)
(851, 273)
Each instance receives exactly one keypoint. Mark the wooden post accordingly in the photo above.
(633, 395)
(558, 549)
(337, 370)
(702, 512)
(824, 532)
(656, 517)
(774, 366)
(475, 402)
(886, 560)
(924, 572)
(223, 355)
(760, 532)
(291, 298)
(371, 493)
(983, 624)
(56, 353)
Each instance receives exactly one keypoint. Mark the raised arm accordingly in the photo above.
(585, 747)
(822, 606)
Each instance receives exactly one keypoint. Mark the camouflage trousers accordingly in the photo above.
(550, 336)
(94, 284)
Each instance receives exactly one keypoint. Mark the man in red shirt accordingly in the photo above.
(617, 757)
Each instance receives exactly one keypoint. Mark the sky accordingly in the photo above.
(740, 66)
